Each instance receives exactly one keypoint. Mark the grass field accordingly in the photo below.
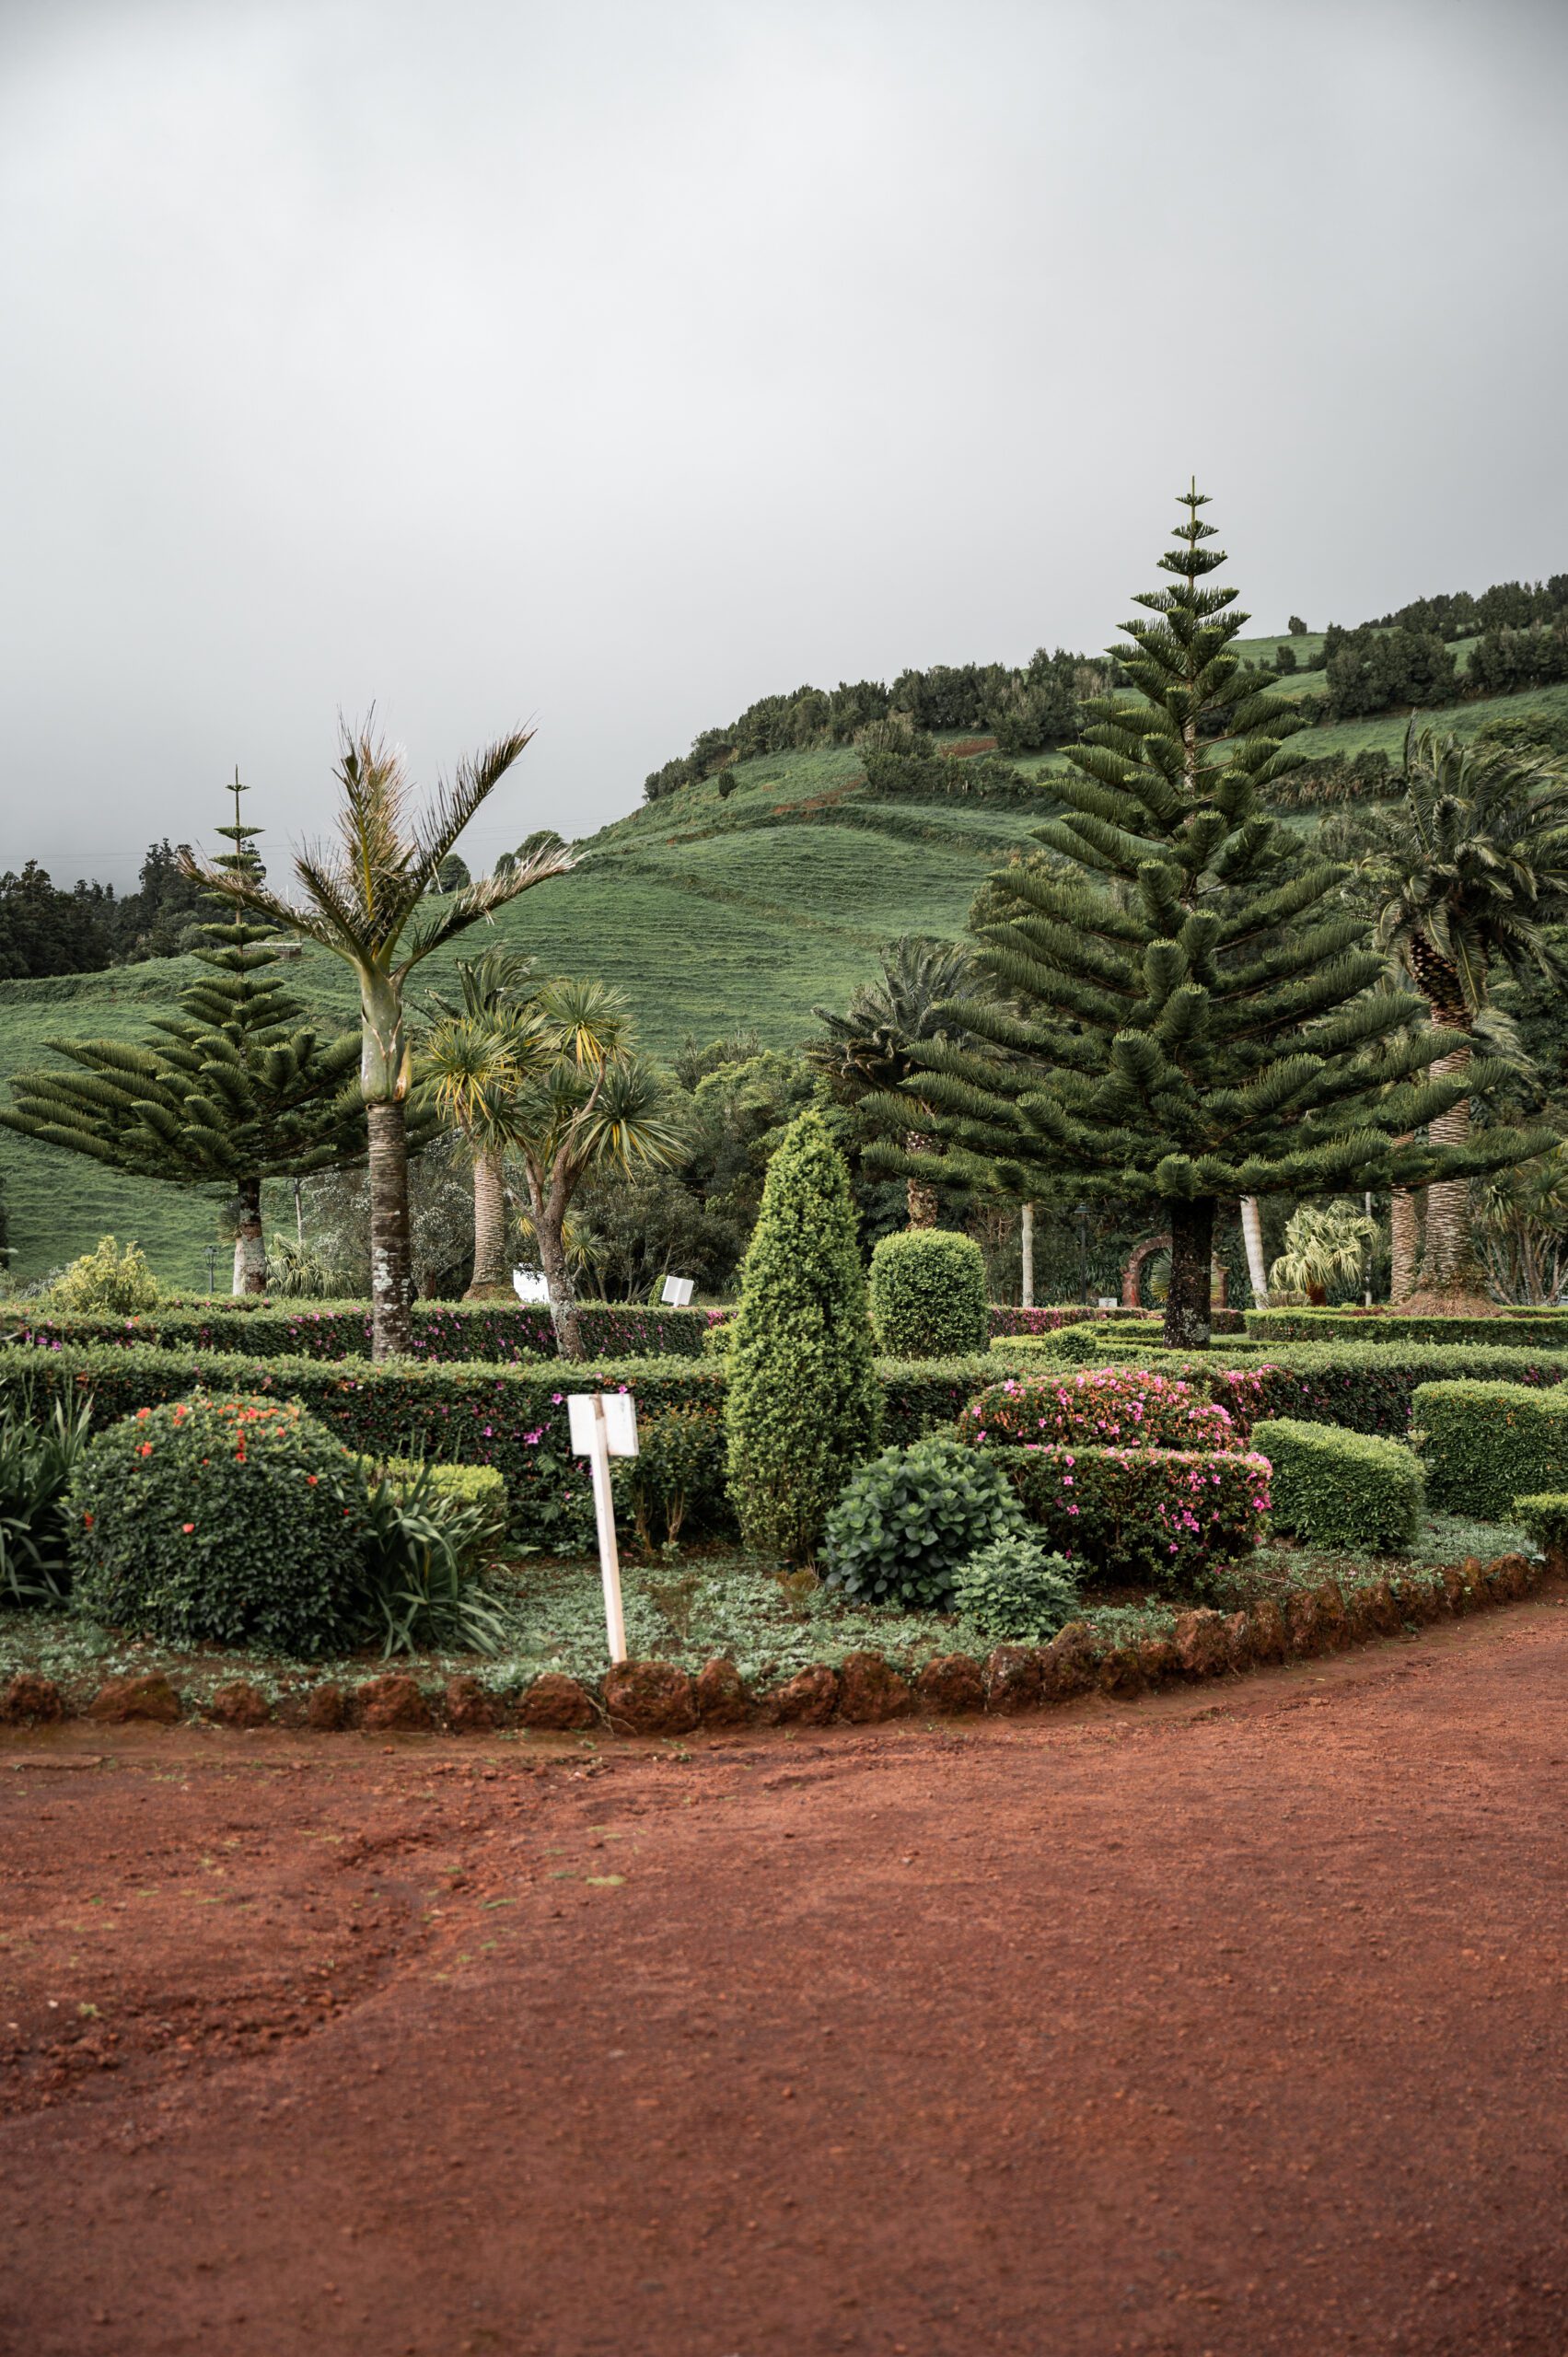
(713, 914)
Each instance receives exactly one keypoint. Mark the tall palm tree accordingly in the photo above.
(867, 1049)
(469, 1056)
(1471, 868)
(371, 902)
(577, 1099)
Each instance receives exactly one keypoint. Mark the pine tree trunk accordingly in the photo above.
(249, 1249)
(1026, 1252)
(489, 1222)
(920, 1193)
(1188, 1318)
(1252, 1237)
(391, 1276)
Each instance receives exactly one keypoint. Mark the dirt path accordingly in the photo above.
(1231, 2025)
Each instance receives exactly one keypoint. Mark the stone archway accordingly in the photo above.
(1132, 1271)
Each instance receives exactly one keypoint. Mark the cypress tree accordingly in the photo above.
(234, 1089)
(1185, 1010)
(803, 1401)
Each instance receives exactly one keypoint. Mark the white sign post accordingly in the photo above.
(604, 1424)
(676, 1292)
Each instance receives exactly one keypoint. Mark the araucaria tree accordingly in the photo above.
(803, 1401)
(373, 905)
(1187, 1013)
(234, 1089)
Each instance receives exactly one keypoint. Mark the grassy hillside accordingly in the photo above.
(711, 914)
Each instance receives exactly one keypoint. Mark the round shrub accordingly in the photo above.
(910, 1518)
(107, 1282)
(928, 1295)
(240, 1521)
(1114, 1407)
(1015, 1592)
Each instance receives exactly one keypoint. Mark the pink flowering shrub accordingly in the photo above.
(1162, 1515)
(1113, 1406)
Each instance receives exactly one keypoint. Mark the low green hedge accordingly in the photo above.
(471, 1485)
(512, 1418)
(1163, 1514)
(1545, 1518)
(1485, 1443)
(1510, 1329)
(445, 1333)
(1336, 1488)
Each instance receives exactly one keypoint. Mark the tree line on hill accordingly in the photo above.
(45, 929)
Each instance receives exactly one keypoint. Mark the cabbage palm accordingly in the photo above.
(468, 1057)
(576, 1100)
(371, 902)
(1471, 868)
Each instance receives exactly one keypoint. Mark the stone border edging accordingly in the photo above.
(655, 1698)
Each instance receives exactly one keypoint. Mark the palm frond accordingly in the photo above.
(456, 803)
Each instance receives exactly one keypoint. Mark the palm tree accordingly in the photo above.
(574, 1100)
(1472, 865)
(469, 1056)
(1322, 1241)
(867, 1049)
(371, 902)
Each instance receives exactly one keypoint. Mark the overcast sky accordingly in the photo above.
(608, 366)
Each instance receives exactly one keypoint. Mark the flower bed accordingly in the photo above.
(1164, 1515)
(1111, 1407)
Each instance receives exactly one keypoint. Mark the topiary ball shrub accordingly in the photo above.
(909, 1519)
(928, 1295)
(240, 1521)
(1015, 1592)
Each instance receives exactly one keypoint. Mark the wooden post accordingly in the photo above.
(594, 1438)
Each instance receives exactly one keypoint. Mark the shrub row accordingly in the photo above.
(1524, 1329)
(1340, 1489)
(513, 1418)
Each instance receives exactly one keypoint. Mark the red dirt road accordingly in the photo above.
(1228, 2025)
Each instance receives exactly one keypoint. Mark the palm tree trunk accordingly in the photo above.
(1404, 1238)
(392, 1277)
(920, 1194)
(1449, 1265)
(1188, 1315)
(489, 1222)
(250, 1251)
(1252, 1237)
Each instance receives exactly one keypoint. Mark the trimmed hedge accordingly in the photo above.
(471, 1485)
(1163, 1514)
(1485, 1443)
(1545, 1518)
(445, 1333)
(1336, 1488)
(1510, 1329)
(927, 1293)
(1100, 1407)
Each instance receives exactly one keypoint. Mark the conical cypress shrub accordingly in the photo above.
(803, 1403)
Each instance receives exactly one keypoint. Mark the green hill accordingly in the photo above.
(711, 912)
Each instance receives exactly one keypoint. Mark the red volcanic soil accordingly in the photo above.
(1228, 2025)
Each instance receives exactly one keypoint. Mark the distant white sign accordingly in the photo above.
(676, 1292)
(1109, 1301)
(530, 1284)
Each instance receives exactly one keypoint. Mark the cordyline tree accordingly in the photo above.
(1186, 1014)
(376, 904)
(234, 1089)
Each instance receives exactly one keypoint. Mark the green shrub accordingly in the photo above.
(1164, 1515)
(1545, 1518)
(238, 1520)
(1335, 1488)
(907, 1521)
(928, 1294)
(106, 1283)
(1016, 1593)
(41, 1446)
(803, 1402)
(1485, 1443)
(427, 1533)
(679, 1468)
(446, 1333)
(469, 1485)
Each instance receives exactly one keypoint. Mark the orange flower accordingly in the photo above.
(187, 1525)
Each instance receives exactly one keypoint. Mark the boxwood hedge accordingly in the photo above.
(1336, 1488)
(1546, 1328)
(1485, 1443)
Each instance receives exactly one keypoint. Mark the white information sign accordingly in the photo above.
(604, 1424)
(530, 1284)
(1109, 1301)
(676, 1292)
